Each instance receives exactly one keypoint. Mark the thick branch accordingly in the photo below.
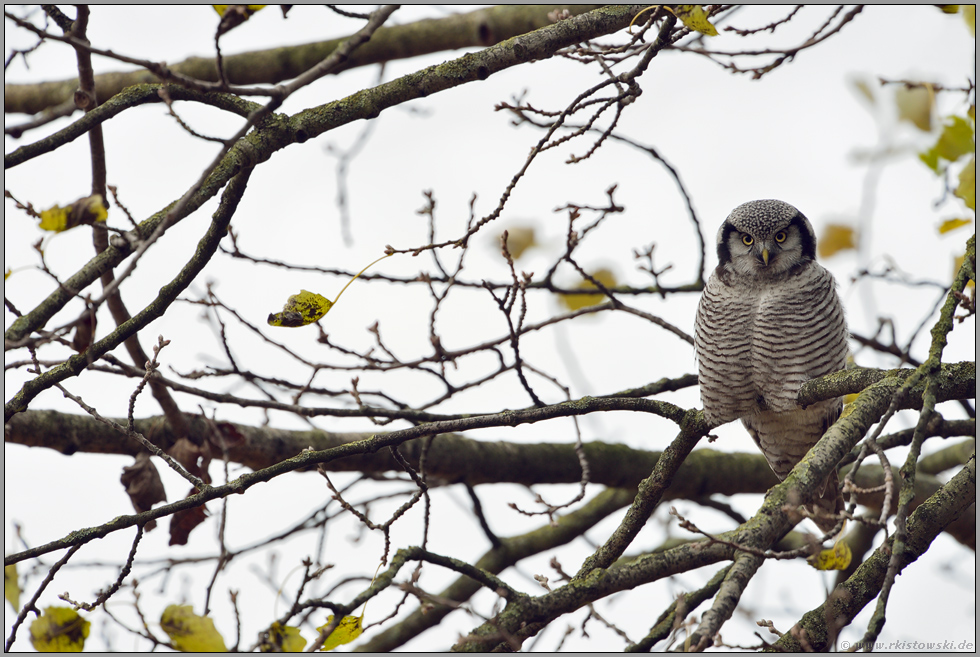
(476, 29)
(522, 619)
(849, 598)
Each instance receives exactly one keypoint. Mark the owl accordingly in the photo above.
(768, 321)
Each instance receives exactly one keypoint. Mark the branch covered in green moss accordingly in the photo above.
(476, 29)
(849, 598)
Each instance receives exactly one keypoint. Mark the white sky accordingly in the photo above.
(795, 135)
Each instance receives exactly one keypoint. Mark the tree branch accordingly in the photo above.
(476, 29)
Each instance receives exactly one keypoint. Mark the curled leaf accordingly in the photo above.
(234, 15)
(196, 458)
(84, 211)
(694, 18)
(308, 307)
(59, 629)
(837, 558)
(84, 330)
(952, 224)
(301, 309)
(190, 632)
(183, 522)
(282, 639)
(348, 629)
(143, 485)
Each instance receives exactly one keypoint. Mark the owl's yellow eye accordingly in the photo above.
(747, 240)
(780, 237)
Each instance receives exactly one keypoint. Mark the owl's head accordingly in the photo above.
(765, 239)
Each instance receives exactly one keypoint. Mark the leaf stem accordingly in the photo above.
(358, 274)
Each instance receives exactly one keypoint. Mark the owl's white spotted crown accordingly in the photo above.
(763, 218)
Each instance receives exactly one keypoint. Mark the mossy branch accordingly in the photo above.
(476, 29)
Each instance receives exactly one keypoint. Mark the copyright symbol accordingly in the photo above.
(845, 645)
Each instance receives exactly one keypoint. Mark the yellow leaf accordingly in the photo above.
(348, 629)
(695, 18)
(7, 273)
(301, 309)
(54, 219)
(949, 9)
(952, 224)
(519, 240)
(59, 629)
(838, 558)
(282, 639)
(249, 9)
(190, 632)
(957, 263)
(967, 189)
(11, 586)
(84, 211)
(308, 307)
(970, 18)
(576, 301)
(849, 399)
(915, 106)
(955, 141)
(835, 238)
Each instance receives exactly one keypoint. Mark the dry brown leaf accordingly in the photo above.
(183, 522)
(195, 458)
(143, 485)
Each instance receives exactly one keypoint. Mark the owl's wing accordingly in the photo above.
(723, 343)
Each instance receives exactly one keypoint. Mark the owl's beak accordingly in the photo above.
(765, 256)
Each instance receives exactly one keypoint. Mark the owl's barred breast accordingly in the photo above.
(757, 342)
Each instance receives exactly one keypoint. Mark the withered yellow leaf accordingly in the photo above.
(967, 189)
(59, 629)
(519, 240)
(955, 141)
(301, 309)
(280, 638)
(695, 18)
(11, 586)
(835, 238)
(957, 264)
(915, 105)
(84, 211)
(190, 632)
(249, 9)
(576, 301)
(308, 307)
(837, 558)
(952, 224)
(348, 629)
